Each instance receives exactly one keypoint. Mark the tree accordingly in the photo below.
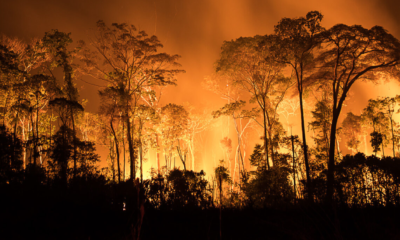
(62, 151)
(352, 131)
(298, 39)
(376, 114)
(27, 93)
(222, 176)
(145, 114)
(111, 109)
(174, 125)
(249, 63)
(234, 109)
(376, 141)
(129, 59)
(321, 126)
(269, 186)
(198, 123)
(57, 44)
(353, 53)
(388, 106)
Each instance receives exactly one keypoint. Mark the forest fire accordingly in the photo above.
(214, 116)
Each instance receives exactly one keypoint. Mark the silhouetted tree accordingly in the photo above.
(352, 53)
(131, 62)
(298, 38)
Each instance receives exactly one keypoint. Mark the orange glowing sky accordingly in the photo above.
(195, 29)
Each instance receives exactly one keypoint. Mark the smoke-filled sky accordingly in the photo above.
(194, 29)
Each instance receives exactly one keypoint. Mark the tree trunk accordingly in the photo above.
(303, 131)
(14, 139)
(24, 146)
(131, 150)
(34, 141)
(391, 123)
(112, 159)
(74, 141)
(140, 151)
(294, 170)
(220, 206)
(141, 160)
(331, 161)
(265, 138)
(37, 128)
(117, 151)
(123, 143)
(158, 154)
(271, 147)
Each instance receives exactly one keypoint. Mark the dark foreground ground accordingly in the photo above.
(41, 215)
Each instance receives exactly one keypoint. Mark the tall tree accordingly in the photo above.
(110, 108)
(128, 58)
(353, 53)
(298, 39)
(249, 63)
(58, 47)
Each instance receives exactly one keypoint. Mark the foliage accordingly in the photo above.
(10, 157)
(352, 131)
(179, 189)
(376, 141)
(269, 187)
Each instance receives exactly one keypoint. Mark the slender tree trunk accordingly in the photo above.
(305, 149)
(140, 151)
(34, 141)
(331, 162)
(123, 143)
(181, 156)
(24, 146)
(191, 144)
(220, 206)
(265, 137)
(271, 147)
(338, 148)
(37, 128)
(50, 130)
(158, 154)
(64, 164)
(131, 150)
(383, 147)
(74, 142)
(5, 109)
(117, 151)
(294, 170)
(391, 124)
(141, 160)
(14, 140)
(112, 144)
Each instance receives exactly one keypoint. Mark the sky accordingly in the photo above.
(194, 29)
